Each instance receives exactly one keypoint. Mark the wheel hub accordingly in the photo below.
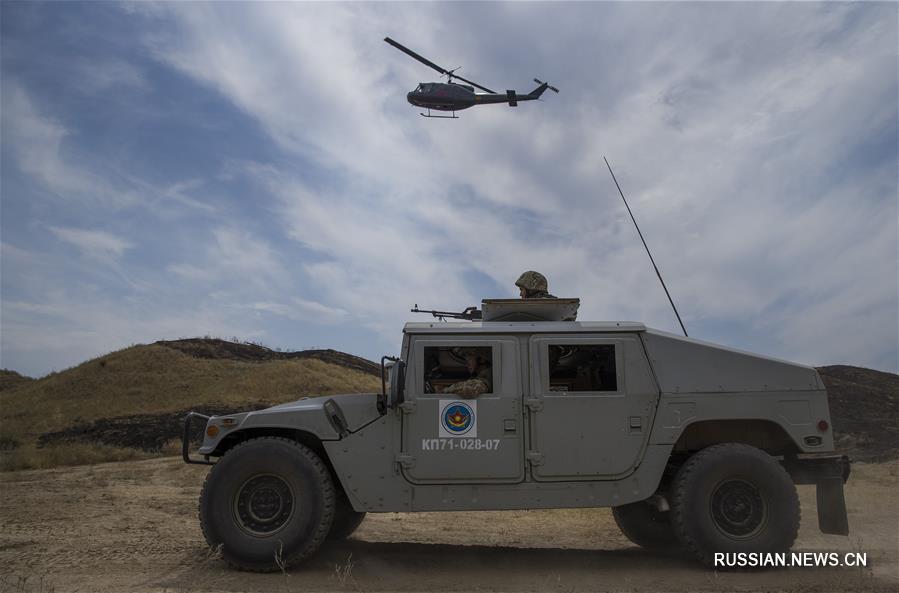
(738, 509)
(263, 505)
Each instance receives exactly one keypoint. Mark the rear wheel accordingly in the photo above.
(734, 498)
(645, 525)
(268, 503)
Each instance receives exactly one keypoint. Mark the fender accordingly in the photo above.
(326, 418)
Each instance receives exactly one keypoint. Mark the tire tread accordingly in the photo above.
(328, 495)
(700, 460)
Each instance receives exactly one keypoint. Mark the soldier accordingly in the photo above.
(532, 285)
(480, 379)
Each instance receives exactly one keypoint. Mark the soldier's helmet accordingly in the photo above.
(532, 281)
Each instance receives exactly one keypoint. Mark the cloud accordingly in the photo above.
(756, 145)
(38, 143)
(96, 244)
(235, 258)
(83, 329)
(725, 153)
(44, 148)
(102, 76)
(302, 310)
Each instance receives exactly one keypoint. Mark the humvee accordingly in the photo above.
(692, 445)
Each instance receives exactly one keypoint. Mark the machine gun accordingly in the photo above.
(470, 313)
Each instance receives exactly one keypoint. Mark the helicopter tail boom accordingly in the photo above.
(512, 97)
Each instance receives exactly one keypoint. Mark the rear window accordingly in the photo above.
(582, 367)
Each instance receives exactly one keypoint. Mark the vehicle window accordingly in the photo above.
(582, 367)
(466, 371)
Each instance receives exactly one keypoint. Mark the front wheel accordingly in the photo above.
(734, 498)
(346, 520)
(268, 504)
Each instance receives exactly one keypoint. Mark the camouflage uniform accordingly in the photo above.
(480, 383)
(535, 285)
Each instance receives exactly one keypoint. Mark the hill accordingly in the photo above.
(864, 407)
(10, 379)
(128, 403)
(222, 349)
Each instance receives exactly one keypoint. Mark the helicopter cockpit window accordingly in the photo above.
(420, 88)
(465, 371)
(582, 367)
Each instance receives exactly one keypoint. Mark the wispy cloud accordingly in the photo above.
(97, 244)
(235, 258)
(37, 143)
(302, 310)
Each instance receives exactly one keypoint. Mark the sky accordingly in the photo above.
(253, 171)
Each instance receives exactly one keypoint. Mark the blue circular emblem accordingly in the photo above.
(458, 418)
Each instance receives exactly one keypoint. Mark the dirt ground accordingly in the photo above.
(132, 526)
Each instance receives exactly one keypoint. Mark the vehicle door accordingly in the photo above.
(451, 438)
(591, 403)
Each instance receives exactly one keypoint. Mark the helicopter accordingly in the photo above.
(452, 96)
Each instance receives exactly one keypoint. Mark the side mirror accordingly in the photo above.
(397, 383)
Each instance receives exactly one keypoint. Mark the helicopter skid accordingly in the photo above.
(453, 116)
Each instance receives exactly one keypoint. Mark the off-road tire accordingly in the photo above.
(646, 526)
(734, 498)
(346, 520)
(267, 504)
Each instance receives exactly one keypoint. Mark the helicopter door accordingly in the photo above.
(453, 438)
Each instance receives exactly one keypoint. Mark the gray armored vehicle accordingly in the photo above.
(692, 444)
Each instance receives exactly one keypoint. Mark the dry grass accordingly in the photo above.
(32, 457)
(10, 379)
(149, 380)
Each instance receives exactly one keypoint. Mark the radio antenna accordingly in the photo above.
(670, 300)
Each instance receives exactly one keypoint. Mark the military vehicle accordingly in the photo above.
(691, 444)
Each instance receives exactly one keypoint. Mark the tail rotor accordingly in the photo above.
(550, 87)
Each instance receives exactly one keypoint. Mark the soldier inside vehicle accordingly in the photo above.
(462, 371)
(582, 367)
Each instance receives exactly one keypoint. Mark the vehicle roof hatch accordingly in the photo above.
(529, 309)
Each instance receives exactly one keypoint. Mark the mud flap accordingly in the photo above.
(832, 507)
(828, 474)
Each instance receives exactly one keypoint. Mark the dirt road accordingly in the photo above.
(132, 527)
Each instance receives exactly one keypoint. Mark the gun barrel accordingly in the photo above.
(471, 313)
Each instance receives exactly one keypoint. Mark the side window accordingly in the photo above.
(582, 367)
(466, 371)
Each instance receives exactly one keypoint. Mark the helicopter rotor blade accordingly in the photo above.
(414, 55)
(474, 84)
(427, 62)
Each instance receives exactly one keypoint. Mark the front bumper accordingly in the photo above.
(185, 440)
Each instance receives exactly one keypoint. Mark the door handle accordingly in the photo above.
(509, 425)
